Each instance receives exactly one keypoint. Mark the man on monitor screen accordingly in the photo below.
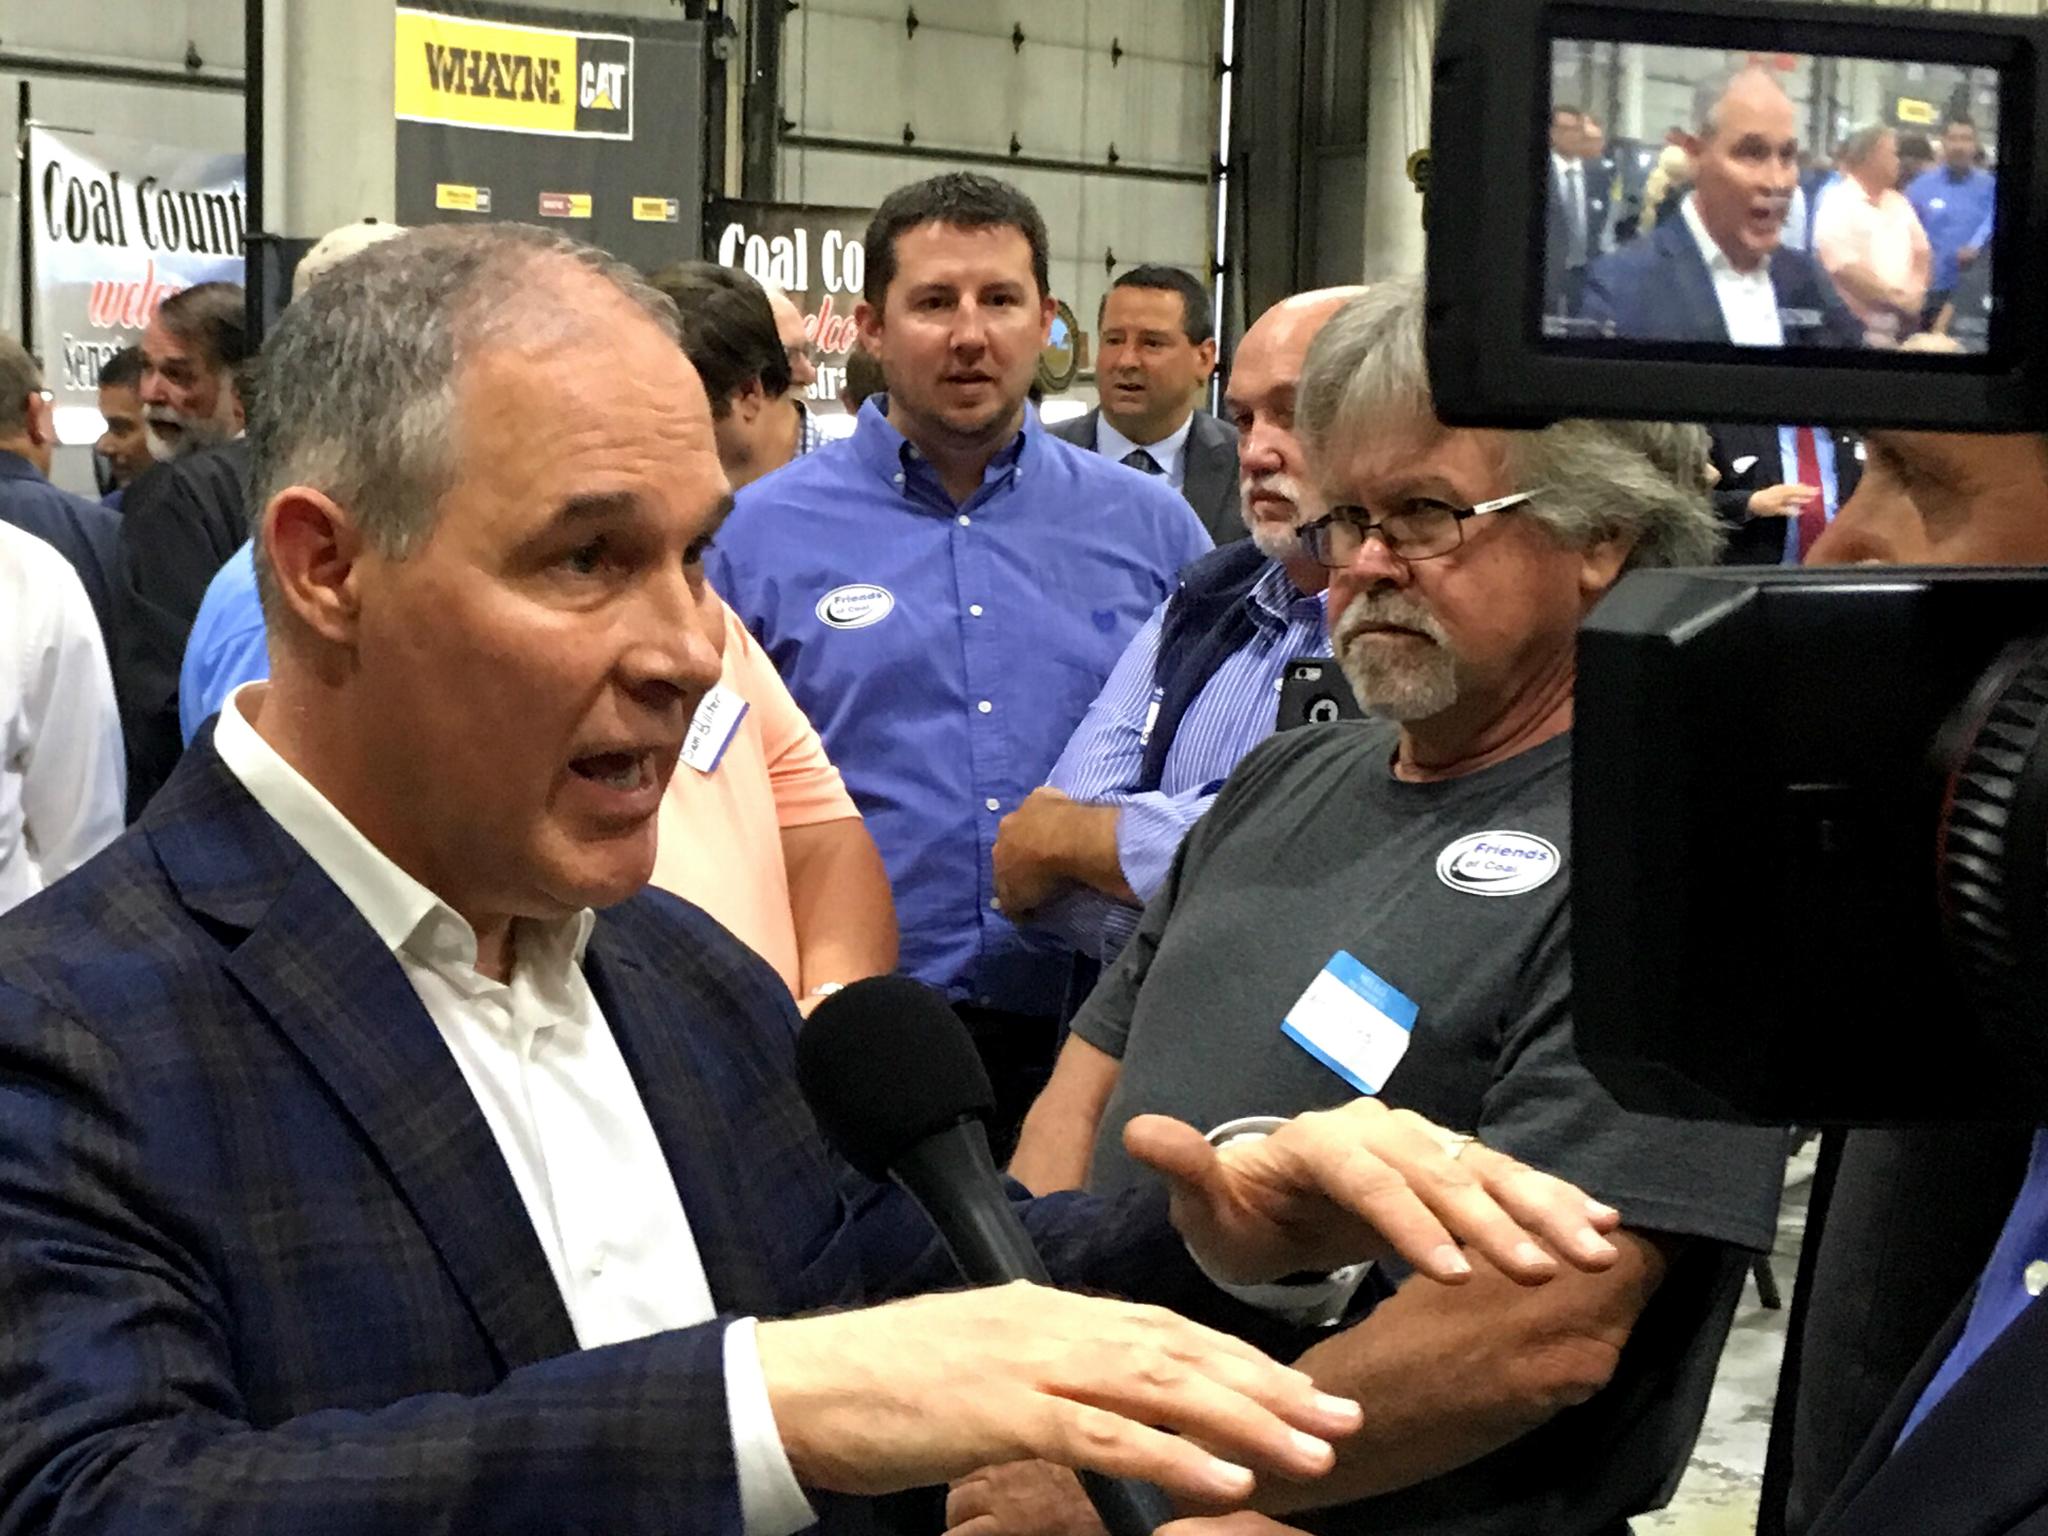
(1721, 271)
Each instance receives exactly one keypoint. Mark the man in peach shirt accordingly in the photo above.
(1871, 242)
(754, 775)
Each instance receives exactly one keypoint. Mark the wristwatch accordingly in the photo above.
(826, 989)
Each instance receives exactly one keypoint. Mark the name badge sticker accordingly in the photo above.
(1354, 1022)
(711, 729)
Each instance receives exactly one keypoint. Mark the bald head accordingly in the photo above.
(789, 325)
(1746, 146)
(1272, 470)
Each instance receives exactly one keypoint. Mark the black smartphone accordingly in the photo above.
(1313, 692)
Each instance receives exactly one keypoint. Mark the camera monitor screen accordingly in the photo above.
(1786, 201)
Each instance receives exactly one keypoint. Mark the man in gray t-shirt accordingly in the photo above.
(1383, 908)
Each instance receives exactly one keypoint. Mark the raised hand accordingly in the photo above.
(1360, 1182)
(926, 1390)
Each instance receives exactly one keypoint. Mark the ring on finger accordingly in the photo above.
(1455, 1144)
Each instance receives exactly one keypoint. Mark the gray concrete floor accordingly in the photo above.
(1719, 1494)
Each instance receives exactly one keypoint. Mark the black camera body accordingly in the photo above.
(1493, 364)
(1809, 844)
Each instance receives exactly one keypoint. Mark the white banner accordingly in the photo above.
(119, 226)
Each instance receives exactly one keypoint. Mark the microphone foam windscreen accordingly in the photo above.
(884, 1064)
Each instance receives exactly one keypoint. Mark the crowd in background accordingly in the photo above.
(414, 645)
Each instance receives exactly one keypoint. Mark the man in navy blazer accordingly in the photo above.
(357, 1177)
(1953, 1453)
(1720, 271)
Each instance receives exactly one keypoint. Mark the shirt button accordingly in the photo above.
(965, 520)
(2037, 1277)
(899, 479)
(975, 609)
(995, 903)
(596, 1266)
(985, 707)
(993, 804)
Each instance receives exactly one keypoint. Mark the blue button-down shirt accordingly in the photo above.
(1956, 213)
(2002, 1293)
(228, 646)
(1234, 712)
(946, 652)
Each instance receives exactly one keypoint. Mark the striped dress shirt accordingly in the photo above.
(1234, 712)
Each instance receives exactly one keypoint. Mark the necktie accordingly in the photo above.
(1813, 518)
(1139, 459)
(1575, 207)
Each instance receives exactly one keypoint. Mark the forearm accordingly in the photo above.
(1453, 1373)
(1084, 850)
(1059, 1132)
(839, 900)
(1865, 286)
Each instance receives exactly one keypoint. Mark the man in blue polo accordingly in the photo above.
(946, 591)
(1954, 200)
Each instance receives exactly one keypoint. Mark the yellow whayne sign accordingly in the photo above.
(488, 74)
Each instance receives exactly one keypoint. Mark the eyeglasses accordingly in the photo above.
(1422, 530)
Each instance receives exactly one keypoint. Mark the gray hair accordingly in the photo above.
(1643, 482)
(1863, 143)
(1708, 95)
(357, 383)
(20, 377)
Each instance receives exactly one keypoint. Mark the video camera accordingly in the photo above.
(1811, 806)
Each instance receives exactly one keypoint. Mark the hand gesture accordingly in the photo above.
(929, 1389)
(1781, 500)
(1360, 1182)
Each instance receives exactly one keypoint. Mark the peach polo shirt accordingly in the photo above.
(1882, 233)
(720, 843)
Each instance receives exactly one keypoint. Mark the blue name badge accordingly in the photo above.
(1353, 1022)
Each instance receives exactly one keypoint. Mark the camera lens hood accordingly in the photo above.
(1992, 844)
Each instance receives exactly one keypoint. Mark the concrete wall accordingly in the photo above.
(853, 72)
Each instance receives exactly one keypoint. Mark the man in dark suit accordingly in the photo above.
(1576, 219)
(1951, 1453)
(357, 1176)
(1720, 270)
(84, 533)
(1772, 508)
(1155, 350)
(183, 519)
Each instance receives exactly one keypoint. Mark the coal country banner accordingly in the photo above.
(516, 79)
(117, 226)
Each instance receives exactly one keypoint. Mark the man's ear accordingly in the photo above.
(1207, 352)
(869, 321)
(1601, 566)
(1048, 311)
(315, 549)
(41, 417)
(748, 401)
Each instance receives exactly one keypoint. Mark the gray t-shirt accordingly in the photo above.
(1314, 847)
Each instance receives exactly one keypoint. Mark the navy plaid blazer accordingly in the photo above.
(263, 1270)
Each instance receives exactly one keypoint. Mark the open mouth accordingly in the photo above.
(623, 772)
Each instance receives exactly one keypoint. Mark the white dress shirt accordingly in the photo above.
(548, 1076)
(1749, 303)
(63, 780)
(1170, 453)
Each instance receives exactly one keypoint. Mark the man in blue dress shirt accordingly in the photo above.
(946, 591)
(1195, 691)
(1954, 201)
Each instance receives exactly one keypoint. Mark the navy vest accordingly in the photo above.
(1206, 623)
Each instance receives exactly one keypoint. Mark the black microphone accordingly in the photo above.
(899, 1090)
